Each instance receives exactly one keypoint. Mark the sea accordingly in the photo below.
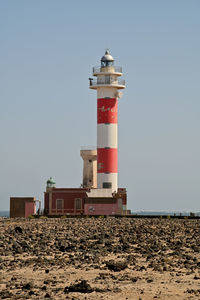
(4, 213)
(165, 213)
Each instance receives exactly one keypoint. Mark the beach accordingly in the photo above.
(99, 258)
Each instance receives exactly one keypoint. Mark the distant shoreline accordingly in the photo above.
(6, 214)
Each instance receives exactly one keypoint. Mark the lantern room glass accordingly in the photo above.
(107, 63)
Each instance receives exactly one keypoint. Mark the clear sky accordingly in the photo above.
(47, 111)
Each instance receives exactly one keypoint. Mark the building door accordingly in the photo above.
(120, 205)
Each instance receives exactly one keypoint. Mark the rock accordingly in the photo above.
(6, 295)
(31, 293)
(62, 248)
(116, 266)
(27, 286)
(81, 287)
(47, 295)
(18, 229)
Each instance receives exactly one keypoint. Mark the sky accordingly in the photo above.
(48, 112)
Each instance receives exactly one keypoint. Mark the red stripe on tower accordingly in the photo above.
(107, 110)
(107, 160)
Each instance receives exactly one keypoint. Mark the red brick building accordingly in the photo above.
(83, 201)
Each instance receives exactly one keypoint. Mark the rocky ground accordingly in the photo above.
(99, 258)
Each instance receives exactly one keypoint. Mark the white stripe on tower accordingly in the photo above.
(107, 135)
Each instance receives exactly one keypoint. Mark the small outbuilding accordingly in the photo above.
(22, 207)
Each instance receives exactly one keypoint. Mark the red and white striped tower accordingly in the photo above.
(107, 86)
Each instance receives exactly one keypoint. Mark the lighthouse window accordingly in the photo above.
(107, 185)
(107, 79)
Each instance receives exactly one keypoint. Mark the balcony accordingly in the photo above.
(108, 82)
(111, 69)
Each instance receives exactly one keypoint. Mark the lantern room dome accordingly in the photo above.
(107, 60)
(107, 57)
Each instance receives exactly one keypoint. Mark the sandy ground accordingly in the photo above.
(99, 259)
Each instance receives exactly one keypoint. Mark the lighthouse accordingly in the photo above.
(99, 193)
(108, 86)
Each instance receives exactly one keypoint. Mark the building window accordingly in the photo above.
(59, 203)
(78, 203)
(107, 185)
